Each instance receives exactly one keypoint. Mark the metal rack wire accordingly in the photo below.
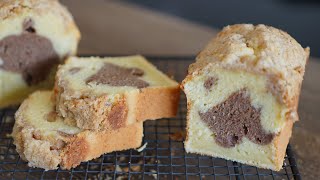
(163, 158)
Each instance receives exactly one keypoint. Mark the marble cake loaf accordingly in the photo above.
(35, 35)
(243, 93)
(110, 93)
(44, 140)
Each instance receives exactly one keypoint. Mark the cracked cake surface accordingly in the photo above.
(92, 92)
(35, 36)
(242, 95)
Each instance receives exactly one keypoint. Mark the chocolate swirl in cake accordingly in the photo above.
(234, 119)
(30, 54)
(114, 75)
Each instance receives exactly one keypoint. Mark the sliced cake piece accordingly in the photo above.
(34, 37)
(243, 93)
(44, 140)
(109, 93)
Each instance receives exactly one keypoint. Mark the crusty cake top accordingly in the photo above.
(13, 8)
(259, 48)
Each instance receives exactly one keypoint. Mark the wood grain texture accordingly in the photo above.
(112, 27)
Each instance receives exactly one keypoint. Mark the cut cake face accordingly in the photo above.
(232, 115)
(109, 93)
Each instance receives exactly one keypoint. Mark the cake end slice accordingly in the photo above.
(44, 140)
(242, 95)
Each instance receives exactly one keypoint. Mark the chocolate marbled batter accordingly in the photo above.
(114, 75)
(234, 119)
(29, 54)
(74, 70)
(210, 82)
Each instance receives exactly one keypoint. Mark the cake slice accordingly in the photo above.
(35, 36)
(110, 93)
(242, 94)
(44, 140)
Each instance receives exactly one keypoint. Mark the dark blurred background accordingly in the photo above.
(301, 19)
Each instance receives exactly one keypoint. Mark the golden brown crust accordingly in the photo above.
(188, 120)
(91, 144)
(73, 153)
(117, 115)
(117, 140)
(159, 102)
(18, 141)
(280, 144)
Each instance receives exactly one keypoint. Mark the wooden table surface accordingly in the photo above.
(113, 27)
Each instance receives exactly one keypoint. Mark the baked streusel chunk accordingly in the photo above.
(243, 93)
(35, 35)
(110, 93)
(44, 140)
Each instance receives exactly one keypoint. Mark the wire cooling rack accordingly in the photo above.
(163, 158)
